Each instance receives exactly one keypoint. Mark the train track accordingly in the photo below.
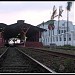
(3, 52)
(54, 53)
(13, 60)
(49, 58)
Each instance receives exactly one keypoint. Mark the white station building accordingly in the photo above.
(59, 37)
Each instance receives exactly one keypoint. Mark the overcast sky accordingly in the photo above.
(33, 12)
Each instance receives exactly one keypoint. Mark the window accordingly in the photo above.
(48, 39)
(69, 39)
(56, 38)
(64, 39)
(63, 24)
(61, 31)
(49, 32)
(64, 31)
(53, 32)
(60, 38)
(53, 39)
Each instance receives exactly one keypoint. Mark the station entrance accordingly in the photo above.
(28, 34)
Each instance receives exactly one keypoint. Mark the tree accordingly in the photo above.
(54, 13)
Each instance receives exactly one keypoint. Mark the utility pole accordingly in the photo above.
(67, 25)
(24, 33)
(69, 4)
(64, 34)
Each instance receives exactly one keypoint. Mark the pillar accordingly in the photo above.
(1, 40)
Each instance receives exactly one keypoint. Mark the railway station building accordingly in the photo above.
(28, 34)
(40, 35)
(57, 36)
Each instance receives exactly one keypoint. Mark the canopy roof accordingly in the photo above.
(13, 30)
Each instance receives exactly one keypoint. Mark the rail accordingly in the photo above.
(50, 70)
(3, 52)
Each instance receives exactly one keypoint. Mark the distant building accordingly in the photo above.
(58, 37)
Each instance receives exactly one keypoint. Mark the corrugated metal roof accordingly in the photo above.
(49, 21)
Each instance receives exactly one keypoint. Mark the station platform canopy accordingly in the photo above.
(15, 30)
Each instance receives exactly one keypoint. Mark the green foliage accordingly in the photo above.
(55, 65)
(66, 47)
(69, 65)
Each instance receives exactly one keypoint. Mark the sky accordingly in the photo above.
(33, 12)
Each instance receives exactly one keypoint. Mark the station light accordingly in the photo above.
(19, 34)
